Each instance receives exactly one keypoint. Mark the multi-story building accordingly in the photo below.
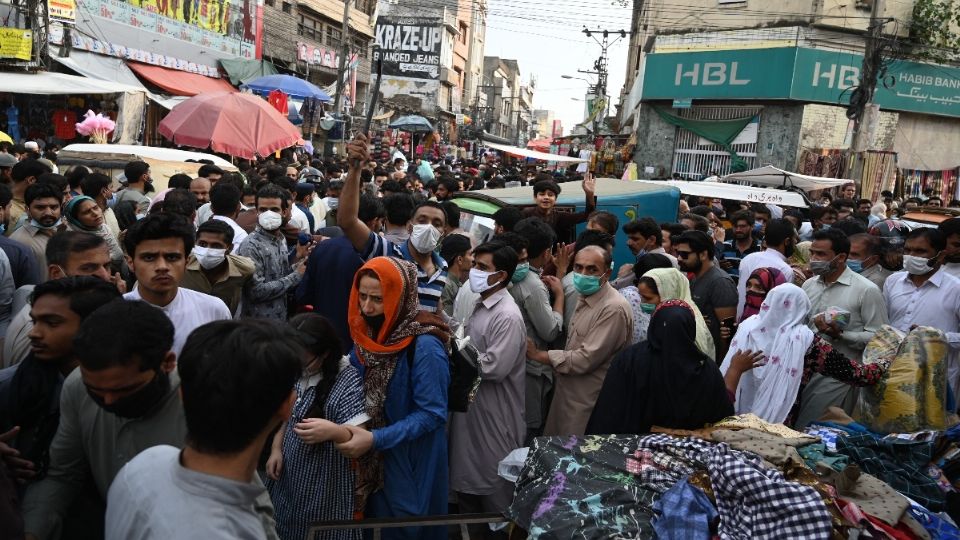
(307, 38)
(786, 68)
(542, 125)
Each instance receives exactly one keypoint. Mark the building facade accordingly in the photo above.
(307, 38)
(789, 86)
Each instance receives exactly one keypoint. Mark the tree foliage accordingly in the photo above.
(933, 29)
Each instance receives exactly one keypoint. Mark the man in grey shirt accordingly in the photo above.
(210, 488)
(835, 285)
(123, 400)
(543, 319)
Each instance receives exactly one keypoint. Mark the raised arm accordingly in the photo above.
(348, 214)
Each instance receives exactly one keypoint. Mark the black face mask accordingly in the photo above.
(140, 402)
(374, 323)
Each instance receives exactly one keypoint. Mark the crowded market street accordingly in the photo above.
(344, 269)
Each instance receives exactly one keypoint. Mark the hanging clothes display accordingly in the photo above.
(830, 163)
(64, 124)
(878, 172)
(278, 100)
(943, 183)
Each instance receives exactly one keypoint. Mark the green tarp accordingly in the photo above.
(720, 132)
(240, 71)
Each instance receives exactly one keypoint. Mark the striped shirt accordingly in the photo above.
(429, 287)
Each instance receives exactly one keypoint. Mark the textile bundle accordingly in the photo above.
(918, 361)
(741, 478)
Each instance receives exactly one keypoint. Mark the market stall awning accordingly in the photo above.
(774, 177)
(47, 82)
(180, 83)
(523, 152)
(108, 68)
(734, 192)
(241, 70)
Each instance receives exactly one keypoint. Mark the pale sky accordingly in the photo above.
(546, 39)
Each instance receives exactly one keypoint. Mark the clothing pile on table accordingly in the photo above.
(743, 478)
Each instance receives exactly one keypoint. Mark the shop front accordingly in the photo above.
(792, 101)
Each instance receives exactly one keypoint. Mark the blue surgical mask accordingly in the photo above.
(757, 226)
(586, 285)
(647, 308)
(824, 226)
(856, 266)
(520, 273)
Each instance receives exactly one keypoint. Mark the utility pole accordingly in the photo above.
(862, 110)
(344, 51)
(601, 71)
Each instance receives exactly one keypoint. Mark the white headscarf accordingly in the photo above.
(780, 331)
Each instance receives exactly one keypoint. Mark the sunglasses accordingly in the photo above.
(683, 254)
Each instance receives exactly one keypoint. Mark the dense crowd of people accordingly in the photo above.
(244, 354)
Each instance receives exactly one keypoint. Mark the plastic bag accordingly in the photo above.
(509, 467)
(835, 315)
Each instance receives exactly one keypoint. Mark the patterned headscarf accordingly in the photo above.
(768, 278)
(379, 354)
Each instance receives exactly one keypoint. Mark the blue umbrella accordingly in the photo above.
(289, 85)
(412, 123)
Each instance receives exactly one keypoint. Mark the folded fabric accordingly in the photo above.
(683, 512)
(938, 527)
(816, 454)
(582, 484)
(902, 464)
(756, 502)
(870, 493)
(752, 421)
(772, 448)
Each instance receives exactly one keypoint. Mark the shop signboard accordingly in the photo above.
(828, 76)
(64, 11)
(410, 46)
(801, 74)
(742, 74)
(16, 43)
(230, 26)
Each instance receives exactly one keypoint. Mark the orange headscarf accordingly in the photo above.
(379, 354)
(398, 283)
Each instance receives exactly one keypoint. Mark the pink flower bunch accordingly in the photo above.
(96, 126)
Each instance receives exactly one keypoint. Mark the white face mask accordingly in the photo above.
(424, 238)
(916, 266)
(209, 257)
(478, 281)
(270, 220)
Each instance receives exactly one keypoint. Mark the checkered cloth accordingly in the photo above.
(755, 502)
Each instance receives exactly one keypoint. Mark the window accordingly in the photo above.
(360, 45)
(286, 7)
(310, 28)
(334, 36)
(269, 2)
(463, 33)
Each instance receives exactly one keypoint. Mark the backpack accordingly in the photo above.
(464, 364)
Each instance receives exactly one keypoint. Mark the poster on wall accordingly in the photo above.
(410, 46)
(16, 43)
(233, 26)
(64, 11)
